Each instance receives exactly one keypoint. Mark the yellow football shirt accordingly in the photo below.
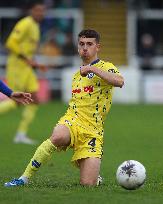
(24, 38)
(92, 97)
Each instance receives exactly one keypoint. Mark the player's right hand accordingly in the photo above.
(21, 97)
(84, 70)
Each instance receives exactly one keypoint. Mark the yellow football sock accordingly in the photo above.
(7, 105)
(41, 156)
(28, 115)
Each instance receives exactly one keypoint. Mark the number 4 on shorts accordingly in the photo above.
(92, 142)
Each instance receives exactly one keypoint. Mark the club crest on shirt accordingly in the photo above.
(90, 75)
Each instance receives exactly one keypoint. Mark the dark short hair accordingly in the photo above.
(89, 34)
(33, 3)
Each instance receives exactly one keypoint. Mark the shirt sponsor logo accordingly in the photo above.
(88, 89)
(76, 91)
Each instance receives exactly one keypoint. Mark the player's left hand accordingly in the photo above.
(36, 65)
(84, 70)
(42, 67)
(21, 97)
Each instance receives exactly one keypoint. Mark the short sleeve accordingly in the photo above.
(18, 33)
(19, 30)
(109, 67)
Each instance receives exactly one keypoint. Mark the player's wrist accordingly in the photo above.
(93, 69)
(12, 94)
(30, 62)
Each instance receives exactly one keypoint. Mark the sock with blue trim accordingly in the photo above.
(41, 156)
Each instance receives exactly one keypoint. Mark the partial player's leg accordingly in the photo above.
(60, 139)
(61, 136)
(89, 171)
(29, 83)
(7, 105)
(28, 116)
(87, 155)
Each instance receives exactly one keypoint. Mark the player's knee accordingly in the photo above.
(88, 182)
(56, 140)
(59, 139)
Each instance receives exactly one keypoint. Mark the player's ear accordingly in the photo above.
(98, 46)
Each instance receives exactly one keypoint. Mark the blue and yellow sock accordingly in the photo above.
(41, 156)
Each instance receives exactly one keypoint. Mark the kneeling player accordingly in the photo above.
(82, 126)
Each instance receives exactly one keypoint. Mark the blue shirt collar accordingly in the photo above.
(95, 61)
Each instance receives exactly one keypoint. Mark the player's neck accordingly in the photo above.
(89, 61)
(34, 19)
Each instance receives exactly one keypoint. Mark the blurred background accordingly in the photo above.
(131, 38)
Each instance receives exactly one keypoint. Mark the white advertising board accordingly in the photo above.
(153, 89)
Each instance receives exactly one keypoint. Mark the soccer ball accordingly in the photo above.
(131, 174)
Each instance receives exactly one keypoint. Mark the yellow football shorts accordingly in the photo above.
(85, 142)
(21, 77)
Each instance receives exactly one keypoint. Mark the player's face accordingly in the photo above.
(87, 48)
(38, 12)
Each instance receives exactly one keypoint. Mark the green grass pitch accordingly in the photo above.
(131, 132)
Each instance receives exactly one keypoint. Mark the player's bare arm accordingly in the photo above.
(36, 65)
(111, 78)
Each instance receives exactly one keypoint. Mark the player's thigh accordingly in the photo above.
(89, 170)
(16, 80)
(61, 136)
